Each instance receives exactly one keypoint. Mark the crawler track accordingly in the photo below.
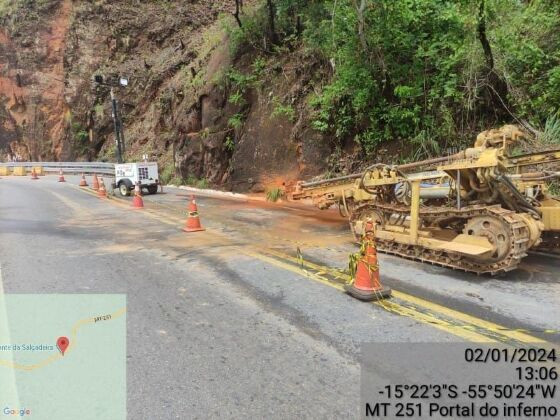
(513, 224)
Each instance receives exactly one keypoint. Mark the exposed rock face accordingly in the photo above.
(155, 45)
(32, 81)
(176, 108)
(268, 148)
(201, 150)
(49, 107)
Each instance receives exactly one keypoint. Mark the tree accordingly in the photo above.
(271, 7)
(422, 71)
(238, 10)
(360, 9)
(497, 87)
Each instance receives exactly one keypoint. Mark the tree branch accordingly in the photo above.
(271, 22)
(481, 29)
(361, 22)
(238, 10)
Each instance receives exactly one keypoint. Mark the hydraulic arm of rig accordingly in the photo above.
(479, 210)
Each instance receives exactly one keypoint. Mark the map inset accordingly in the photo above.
(63, 356)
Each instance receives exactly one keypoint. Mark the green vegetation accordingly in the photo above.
(196, 182)
(551, 137)
(236, 98)
(240, 82)
(551, 133)
(259, 66)
(236, 121)
(554, 188)
(274, 194)
(279, 109)
(229, 144)
(190, 180)
(107, 153)
(429, 72)
(176, 180)
(167, 173)
(24, 9)
(4, 7)
(237, 83)
(80, 137)
(98, 109)
(198, 80)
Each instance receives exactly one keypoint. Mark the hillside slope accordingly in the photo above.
(285, 91)
(175, 109)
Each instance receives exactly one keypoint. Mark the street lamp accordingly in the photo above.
(117, 122)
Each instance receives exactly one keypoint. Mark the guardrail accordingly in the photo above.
(104, 168)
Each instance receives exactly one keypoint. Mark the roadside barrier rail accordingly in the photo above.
(105, 168)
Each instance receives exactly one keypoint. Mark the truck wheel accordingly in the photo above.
(152, 189)
(123, 189)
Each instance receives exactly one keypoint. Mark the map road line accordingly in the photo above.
(58, 356)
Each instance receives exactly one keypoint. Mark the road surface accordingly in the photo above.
(247, 319)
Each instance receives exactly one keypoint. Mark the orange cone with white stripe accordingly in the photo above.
(34, 174)
(101, 192)
(137, 201)
(366, 285)
(193, 221)
(61, 176)
(83, 182)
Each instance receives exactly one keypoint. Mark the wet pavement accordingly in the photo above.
(248, 318)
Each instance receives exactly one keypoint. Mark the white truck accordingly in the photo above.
(128, 174)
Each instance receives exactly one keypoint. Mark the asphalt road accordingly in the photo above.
(227, 322)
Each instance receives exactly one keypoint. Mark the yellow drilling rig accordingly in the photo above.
(479, 210)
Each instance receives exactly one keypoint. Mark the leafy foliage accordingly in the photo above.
(274, 194)
(167, 174)
(551, 133)
(236, 98)
(280, 109)
(195, 182)
(236, 121)
(229, 144)
(80, 138)
(430, 72)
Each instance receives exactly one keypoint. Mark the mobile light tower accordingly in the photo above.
(117, 121)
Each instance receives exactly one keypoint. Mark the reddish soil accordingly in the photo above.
(43, 120)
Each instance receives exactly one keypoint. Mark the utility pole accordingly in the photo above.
(117, 124)
(117, 121)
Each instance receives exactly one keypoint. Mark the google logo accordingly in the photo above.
(17, 412)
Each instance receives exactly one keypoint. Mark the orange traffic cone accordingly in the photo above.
(366, 285)
(61, 176)
(83, 182)
(137, 202)
(101, 191)
(193, 221)
(95, 183)
(34, 174)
